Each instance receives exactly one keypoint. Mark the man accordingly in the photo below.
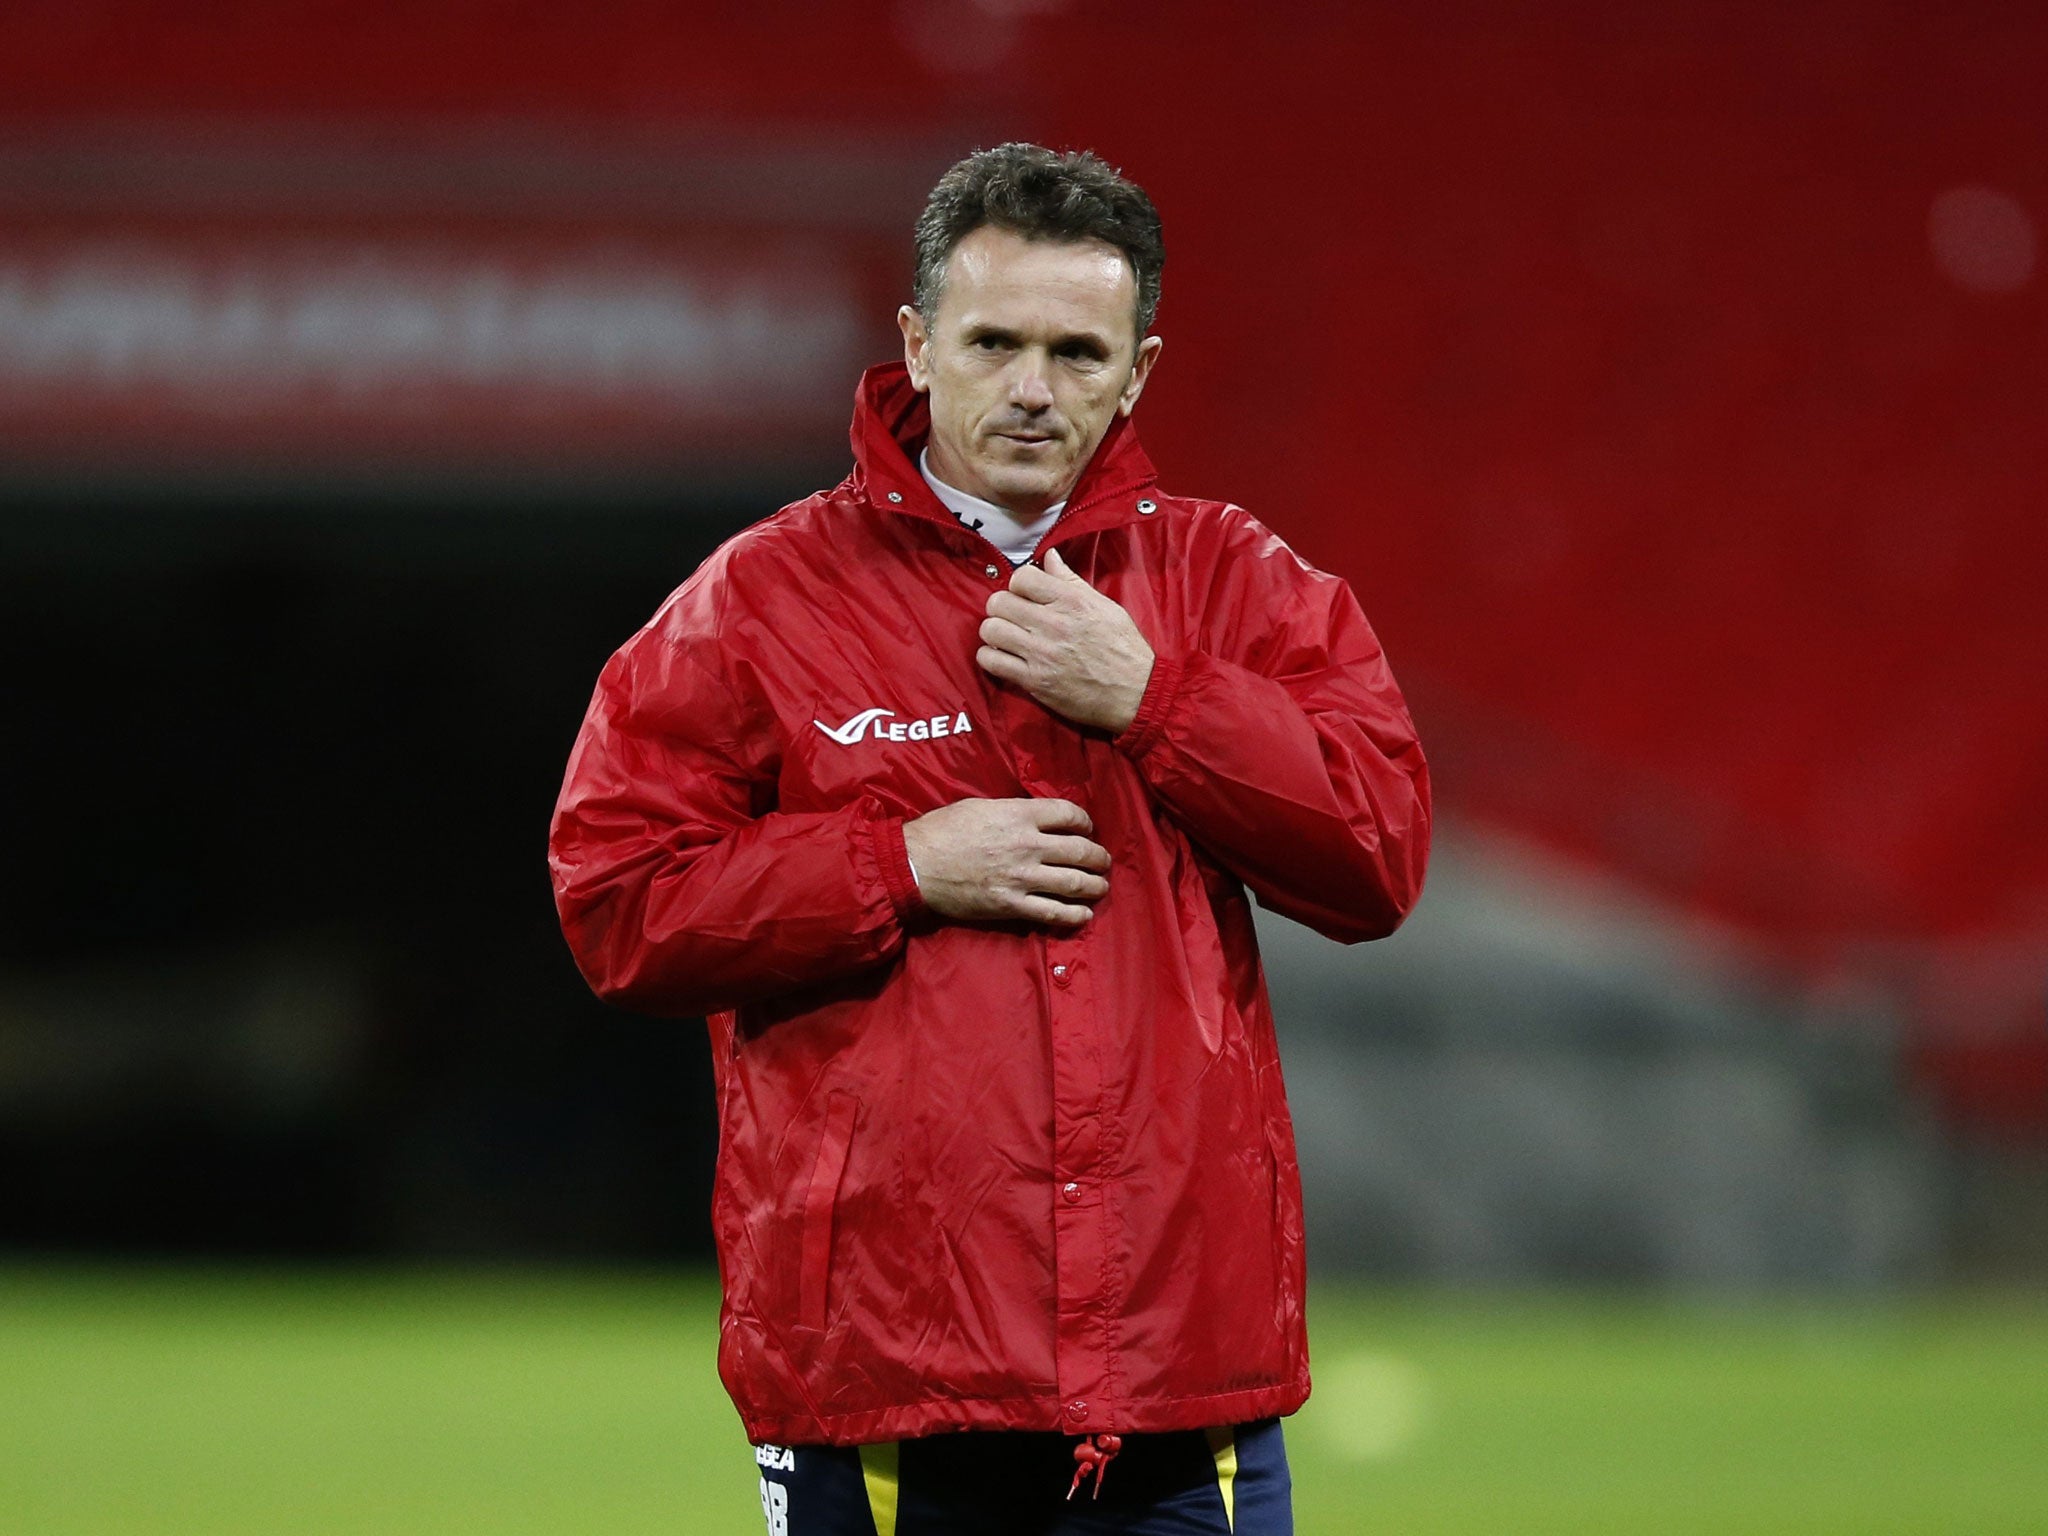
(939, 792)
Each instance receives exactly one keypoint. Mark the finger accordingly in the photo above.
(1057, 914)
(1060, 816)
(1076, 853)
(1069, 884)
(1056, 563)
(1005, 636)
(1034, 585)
(1002, 664)
(1008, 605)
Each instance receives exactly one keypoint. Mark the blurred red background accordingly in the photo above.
(1668, 380)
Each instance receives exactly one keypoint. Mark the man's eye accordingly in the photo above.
(989, 343)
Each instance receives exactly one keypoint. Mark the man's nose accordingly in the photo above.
(1030, 383)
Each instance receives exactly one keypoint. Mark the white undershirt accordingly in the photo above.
(1018, 540)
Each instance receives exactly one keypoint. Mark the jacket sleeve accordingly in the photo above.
(1283, 746)
(681, 888)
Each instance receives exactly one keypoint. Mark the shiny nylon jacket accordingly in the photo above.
(985, 1175)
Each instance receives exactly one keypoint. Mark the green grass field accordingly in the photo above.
(144, 1401)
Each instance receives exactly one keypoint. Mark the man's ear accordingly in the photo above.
(1141, 370)
(915, 340)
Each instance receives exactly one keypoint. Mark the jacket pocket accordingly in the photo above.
(819, 1200)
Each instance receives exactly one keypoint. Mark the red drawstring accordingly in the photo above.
(1093, 1454)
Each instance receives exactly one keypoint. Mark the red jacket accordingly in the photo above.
(981, 1175)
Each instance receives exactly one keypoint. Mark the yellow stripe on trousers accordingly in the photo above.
(878, 1470)
(1223, 1446)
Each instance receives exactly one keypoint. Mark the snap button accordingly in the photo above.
(990, 572)
(895, 495)
(1077, 1411)
(1148, 506)
(1060, 971)
(1072, 1193)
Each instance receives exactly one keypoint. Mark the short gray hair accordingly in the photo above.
(1041, 194)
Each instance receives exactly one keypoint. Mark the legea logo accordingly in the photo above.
(870, 722)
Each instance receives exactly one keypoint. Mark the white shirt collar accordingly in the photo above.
(1016, 537)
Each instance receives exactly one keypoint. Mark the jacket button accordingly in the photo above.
(896, 496)
(1059, 973)
(1148, 507)
(1077, 1411)
(990, 572)
(1072, 1192)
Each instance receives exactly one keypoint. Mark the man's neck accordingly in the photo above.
(1015, 534)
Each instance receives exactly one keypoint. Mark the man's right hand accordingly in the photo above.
(1008, 859)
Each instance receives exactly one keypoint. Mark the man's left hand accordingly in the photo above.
(1072, 649)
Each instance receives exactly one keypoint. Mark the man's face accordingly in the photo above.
(1033, 351)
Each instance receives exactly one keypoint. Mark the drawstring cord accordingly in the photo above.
(1094, 1454)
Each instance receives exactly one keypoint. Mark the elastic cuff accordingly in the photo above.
(1161, 689)
(892, 857)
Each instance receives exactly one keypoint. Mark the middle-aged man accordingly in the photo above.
(940, 792)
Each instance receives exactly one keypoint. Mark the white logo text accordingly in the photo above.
(870, 722)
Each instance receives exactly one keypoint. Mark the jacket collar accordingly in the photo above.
(891, 421)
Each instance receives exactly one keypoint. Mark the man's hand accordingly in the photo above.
(1008, 859)
(1072, 649)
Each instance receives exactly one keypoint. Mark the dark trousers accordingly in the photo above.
(1220, 1482)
